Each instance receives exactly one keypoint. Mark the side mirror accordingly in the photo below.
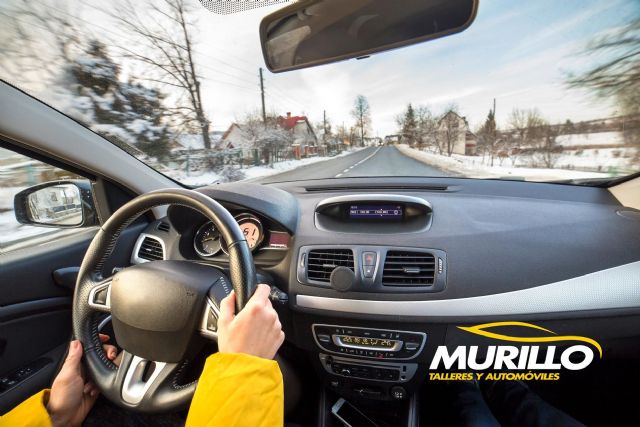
(60, 204)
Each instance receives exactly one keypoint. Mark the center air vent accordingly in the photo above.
(151, 249)
(404, 268)
(321, 262)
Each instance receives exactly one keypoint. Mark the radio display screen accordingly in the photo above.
(379, 343)
(385, 212)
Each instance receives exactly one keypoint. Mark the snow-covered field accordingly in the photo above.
(471, 166)
(596, 138)
(253, 172)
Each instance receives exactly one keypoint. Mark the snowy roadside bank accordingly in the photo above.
(472, 167)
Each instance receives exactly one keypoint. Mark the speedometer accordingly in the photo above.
(251, 228)
(207, 240)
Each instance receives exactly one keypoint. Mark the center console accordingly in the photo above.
(369, 363)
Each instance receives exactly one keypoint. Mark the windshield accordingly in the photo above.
(539, 91)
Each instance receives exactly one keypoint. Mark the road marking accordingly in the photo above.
(358, 163)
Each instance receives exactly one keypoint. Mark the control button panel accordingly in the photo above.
(369, 343)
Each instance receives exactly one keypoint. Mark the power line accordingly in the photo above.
(229, 83)
(93, 24)
(286, 97)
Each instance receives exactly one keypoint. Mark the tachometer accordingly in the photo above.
(207, 240)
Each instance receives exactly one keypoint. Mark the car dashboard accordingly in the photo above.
(380, 272)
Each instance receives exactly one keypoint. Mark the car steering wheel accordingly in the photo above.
(162, 311)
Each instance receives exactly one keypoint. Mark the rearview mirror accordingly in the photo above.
(61, 204)
(315, 32)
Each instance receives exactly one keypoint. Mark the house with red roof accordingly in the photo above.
(293, 131)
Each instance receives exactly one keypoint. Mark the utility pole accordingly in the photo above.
(264, 113)
(324, 127)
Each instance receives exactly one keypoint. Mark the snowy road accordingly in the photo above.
(372, 161)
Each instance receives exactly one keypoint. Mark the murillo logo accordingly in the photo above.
(540, 355)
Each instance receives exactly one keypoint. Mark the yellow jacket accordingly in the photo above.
(233, 390)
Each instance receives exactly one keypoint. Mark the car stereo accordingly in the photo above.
(369, 343)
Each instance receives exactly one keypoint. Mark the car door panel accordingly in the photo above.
(35, 309)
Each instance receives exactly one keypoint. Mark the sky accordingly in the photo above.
(516, 52)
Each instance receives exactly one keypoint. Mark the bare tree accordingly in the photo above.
(427, 127)
(449, 130)
(618, 74)
(41, 40)
(548, 150)
(165, 46)
(525, 126)
(362, 114)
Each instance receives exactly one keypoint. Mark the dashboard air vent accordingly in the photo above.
(321, 262)
(404, 268)
(151, 249)
(163, 226)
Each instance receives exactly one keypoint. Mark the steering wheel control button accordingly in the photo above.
(342, 279)
(398, 392)
(212, 322)
(101, 297)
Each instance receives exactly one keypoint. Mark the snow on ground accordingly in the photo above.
(472, 167)
(253, 172)
(597, 138)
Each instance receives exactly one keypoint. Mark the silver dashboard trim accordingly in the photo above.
(135, 259)
(612, 288)
(373, 196)
(134, 386)
(106, 307)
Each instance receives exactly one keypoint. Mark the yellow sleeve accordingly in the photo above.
(238, 390)
(30, 413)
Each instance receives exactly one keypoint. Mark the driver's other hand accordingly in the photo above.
(71, 397)
(256, 330)
(110, 350)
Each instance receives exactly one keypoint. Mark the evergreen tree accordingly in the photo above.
(124, 112)
(409, 126)
(488, 135)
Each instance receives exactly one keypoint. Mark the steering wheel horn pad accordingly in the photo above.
(157, 305)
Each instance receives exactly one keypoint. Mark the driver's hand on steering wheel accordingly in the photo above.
(256, 330)
(72, 396)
